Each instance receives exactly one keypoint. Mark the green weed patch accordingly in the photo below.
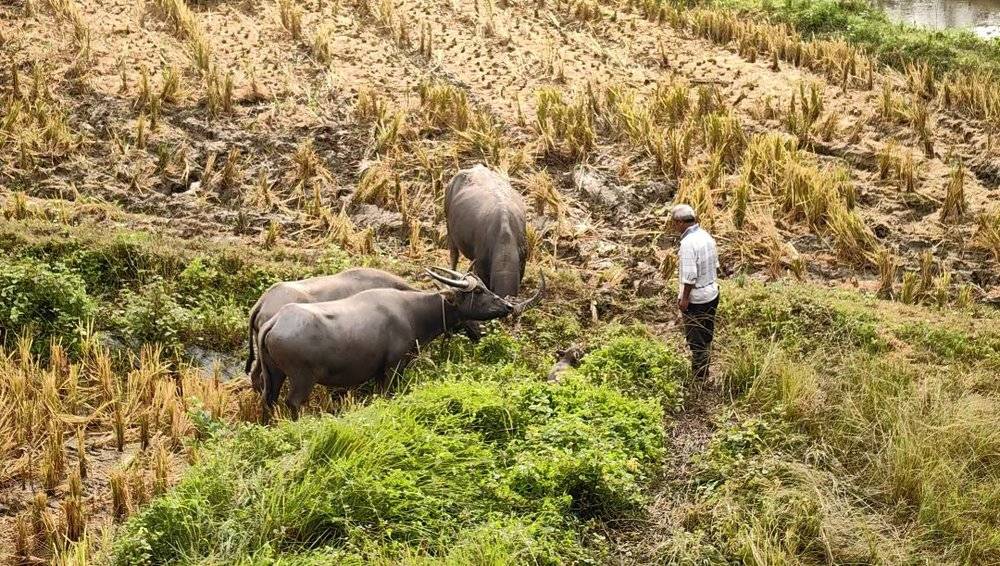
(449, 472)
(50, 299)
(796, 316)
(638, 366)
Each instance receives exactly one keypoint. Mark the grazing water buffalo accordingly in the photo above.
(317, 290)
(370, 335)
(314, 290)
(486, 223)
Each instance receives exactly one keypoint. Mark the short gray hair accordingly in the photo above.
(683, 213)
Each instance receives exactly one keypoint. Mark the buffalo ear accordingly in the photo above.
(450, 296)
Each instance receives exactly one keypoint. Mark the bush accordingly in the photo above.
(176, 315)
(457, 471)
(640, 366)
(153, 315)
(49, 298)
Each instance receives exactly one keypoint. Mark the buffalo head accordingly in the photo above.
(470, 297)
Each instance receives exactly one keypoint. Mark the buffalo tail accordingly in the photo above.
(253, 320)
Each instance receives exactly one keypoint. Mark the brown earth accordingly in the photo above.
(500, 55)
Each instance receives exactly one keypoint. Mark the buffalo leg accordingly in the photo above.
(382, 383)
(297, 396)
(392, 373)
(482, 271)
(337, 395)
(276, 379)
(453, 249)
(255, 376)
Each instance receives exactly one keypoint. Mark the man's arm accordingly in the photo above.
(685, 299)
(688, 273)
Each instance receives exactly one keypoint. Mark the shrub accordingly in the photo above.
(153, 314)
(180, 314)
(640, 366)
(48, 298)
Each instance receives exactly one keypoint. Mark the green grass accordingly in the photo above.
(869, 27)
(803, 319)
(479, 462)
(139, 288)
(941, 344)
(855, 435)
(50, 300)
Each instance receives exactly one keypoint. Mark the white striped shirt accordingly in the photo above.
(697, 261)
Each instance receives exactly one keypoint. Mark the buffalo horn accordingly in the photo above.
(458, 276)
(459, 280)
(525, 305)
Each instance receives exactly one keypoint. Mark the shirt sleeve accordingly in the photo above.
(687, 265)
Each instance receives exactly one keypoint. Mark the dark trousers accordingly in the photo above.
(699, 329)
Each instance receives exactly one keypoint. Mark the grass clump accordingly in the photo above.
(451, 471)
(803, 319)
(988, 232)
(940, 344)
(563, 126)
(759, 502)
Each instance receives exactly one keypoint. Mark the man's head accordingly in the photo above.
(682, 217)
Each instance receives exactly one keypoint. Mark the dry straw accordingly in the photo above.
(954, 205)
(988, 232)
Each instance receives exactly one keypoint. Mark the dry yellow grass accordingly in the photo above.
(54, 406)
(185, 23)
(955, 205)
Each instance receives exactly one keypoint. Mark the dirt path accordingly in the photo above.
(687, 435)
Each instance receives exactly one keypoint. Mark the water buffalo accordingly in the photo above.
(314, 290)
(486, 223)
(321, 289)
(370, 335)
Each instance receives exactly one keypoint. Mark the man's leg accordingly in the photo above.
(708, 335)
(698, 338)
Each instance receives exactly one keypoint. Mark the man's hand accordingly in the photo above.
(683, 303)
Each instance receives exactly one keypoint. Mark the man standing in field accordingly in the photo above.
(698, 297)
